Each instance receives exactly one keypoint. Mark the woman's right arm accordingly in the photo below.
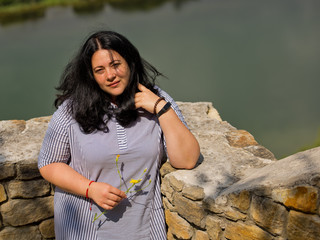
(63, 176)
(66, 178)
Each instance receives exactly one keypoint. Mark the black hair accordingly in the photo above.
(91, 106)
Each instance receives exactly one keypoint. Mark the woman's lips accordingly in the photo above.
(114, 84)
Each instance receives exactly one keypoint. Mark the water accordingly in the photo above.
(257, 61)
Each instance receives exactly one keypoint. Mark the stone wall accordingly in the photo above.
(237, 191)
(26, 199)
(240, 191)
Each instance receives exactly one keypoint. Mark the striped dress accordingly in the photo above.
(140, 147)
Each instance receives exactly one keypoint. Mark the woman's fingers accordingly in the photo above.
(105, 195)
(142, 88)
(145, 99)
(113, 199)
(116, 192)
(112, 203)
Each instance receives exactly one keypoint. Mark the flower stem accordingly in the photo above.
(119, 173)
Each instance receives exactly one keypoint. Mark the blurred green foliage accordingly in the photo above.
(19, 10)
(13, 2)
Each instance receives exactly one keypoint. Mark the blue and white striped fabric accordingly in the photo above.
(73, 219)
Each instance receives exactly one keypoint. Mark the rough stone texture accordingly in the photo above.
(241, 231)
(201, 235)
(303, 198)
(180, 228)
(167, 190)
(47, 228)
(221, 205)
(231, 214)
(303, 226)
(16, 138)
(28, 189)
(191, 210)
(269, 215)
(166, 168)
(177, 185)
(240, 201)
(193, 193)
(21, 233)
(213, 227)
(3, 195)
(170, 235)
(238, 190)
(168, 205)
(28, 170)
(19, 212)
(7, 170)
(240, 138)
(298, 169)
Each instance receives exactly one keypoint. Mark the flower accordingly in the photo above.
(133, 181)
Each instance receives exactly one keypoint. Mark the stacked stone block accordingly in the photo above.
(26, 203)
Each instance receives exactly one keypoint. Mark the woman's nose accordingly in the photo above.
(111, 75)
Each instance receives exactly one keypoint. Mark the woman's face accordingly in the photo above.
(111, 72)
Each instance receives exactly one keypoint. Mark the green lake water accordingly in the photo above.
(256, 61)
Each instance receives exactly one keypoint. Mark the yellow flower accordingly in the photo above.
(133, 181)
(117, 158)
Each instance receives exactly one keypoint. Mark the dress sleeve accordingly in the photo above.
(175, 107)
(55, 146)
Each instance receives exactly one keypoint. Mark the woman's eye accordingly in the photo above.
(116, 64)
(99, 70)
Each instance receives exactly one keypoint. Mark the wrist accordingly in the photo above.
(88, 187)
(160, 105)
(156, 105)
(164, 108)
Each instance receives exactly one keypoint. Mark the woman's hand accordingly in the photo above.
(145, 99)
(105, 195)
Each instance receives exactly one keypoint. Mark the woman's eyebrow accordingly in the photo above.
(98, 67)
(115, 61)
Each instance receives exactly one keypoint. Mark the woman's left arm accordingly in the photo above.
(182, 147)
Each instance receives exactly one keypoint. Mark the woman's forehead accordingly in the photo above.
(106, 55)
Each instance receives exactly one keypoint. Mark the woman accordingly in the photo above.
(105, 142)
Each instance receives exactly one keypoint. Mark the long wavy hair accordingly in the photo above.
(91, 106)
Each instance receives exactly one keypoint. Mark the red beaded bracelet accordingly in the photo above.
(88, 189)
